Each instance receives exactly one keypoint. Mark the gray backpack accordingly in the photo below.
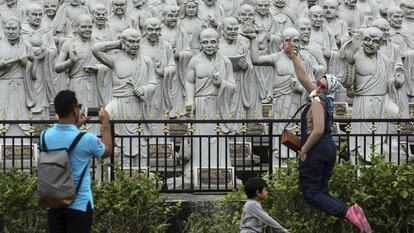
(55, 185)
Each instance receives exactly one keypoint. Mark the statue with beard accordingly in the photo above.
(119, 20)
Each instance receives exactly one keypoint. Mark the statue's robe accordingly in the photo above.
(43, 86)
(101, 34)
(193, 28)
(126, 105)
(246, 101)
(285, 18)
(16, 85)
(216, 12)
(211, 102)
(160, 102)
(182, 54)
(117, 25)
(318, 62)
(268, 23)
(369, 10)
(139, 16)
(230, 7)
(409, 73)
(400, 38)
(67, 13)
(352, 17)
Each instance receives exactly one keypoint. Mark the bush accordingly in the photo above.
(384, 190)
(19, 211)
(127, 205)
(131, 205)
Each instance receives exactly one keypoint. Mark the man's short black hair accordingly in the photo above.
(65, 101)
(254, 185)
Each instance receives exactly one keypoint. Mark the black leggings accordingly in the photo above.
(65, 220)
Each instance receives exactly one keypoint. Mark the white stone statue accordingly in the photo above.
(351, 14)
(287, 91)
(407, 6)
(335, 29)
(263, 18)
(210, 87)
(8, 9)
(192, 24)
(284, 15)
(119, 20)
(369, 10)
(162, 55)
(139, 12)
(44, 50)
(246, 102)
(399, 93)
(77, 60)
(310, 48)
(174, 34)
(230, 7)
(133, 84)
(17, 74)
(60, 32)
(100, 30)
(211, 12)
(68, 12)
(371, 78)
(398, 36)
(316, 17)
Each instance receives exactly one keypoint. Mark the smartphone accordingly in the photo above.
(92, 112)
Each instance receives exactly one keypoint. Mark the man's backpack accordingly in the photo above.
(55, 185)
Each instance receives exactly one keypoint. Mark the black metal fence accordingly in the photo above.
(203, 155)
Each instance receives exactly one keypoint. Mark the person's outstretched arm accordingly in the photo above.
(258, 212)
(299, 69)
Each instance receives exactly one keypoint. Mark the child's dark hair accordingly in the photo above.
(254, 184)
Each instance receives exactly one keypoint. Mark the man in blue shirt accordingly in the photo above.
(77, 217)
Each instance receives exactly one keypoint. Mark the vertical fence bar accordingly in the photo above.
(112, 165)
(271, 150)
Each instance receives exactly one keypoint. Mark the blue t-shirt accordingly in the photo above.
(61, 136)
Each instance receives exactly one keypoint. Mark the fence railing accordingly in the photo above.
(208, 155)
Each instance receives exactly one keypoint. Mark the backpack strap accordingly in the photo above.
(81, 179)
(75, 142)
(69, 150)
(43, 146)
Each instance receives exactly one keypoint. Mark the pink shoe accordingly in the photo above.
(355, 215)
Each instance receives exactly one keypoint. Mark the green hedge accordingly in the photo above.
(385, 191)
(128, 205)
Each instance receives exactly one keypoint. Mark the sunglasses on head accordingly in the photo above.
(321, 85)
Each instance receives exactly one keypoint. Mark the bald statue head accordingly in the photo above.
(246, 14)
(209, 40)
(262, 7)
(383, 25)
(34, 15)
(119, 7)
(130, 40)
(395, 16)
(171, 14)
(407, 6)
(11, 29)
(84, 26)
(100, 15)
(50, 8)
(371, 39)
(330, 9)
(304, 26)
(152, 29)
(230, 29)
(316, 16)
(294, 34)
